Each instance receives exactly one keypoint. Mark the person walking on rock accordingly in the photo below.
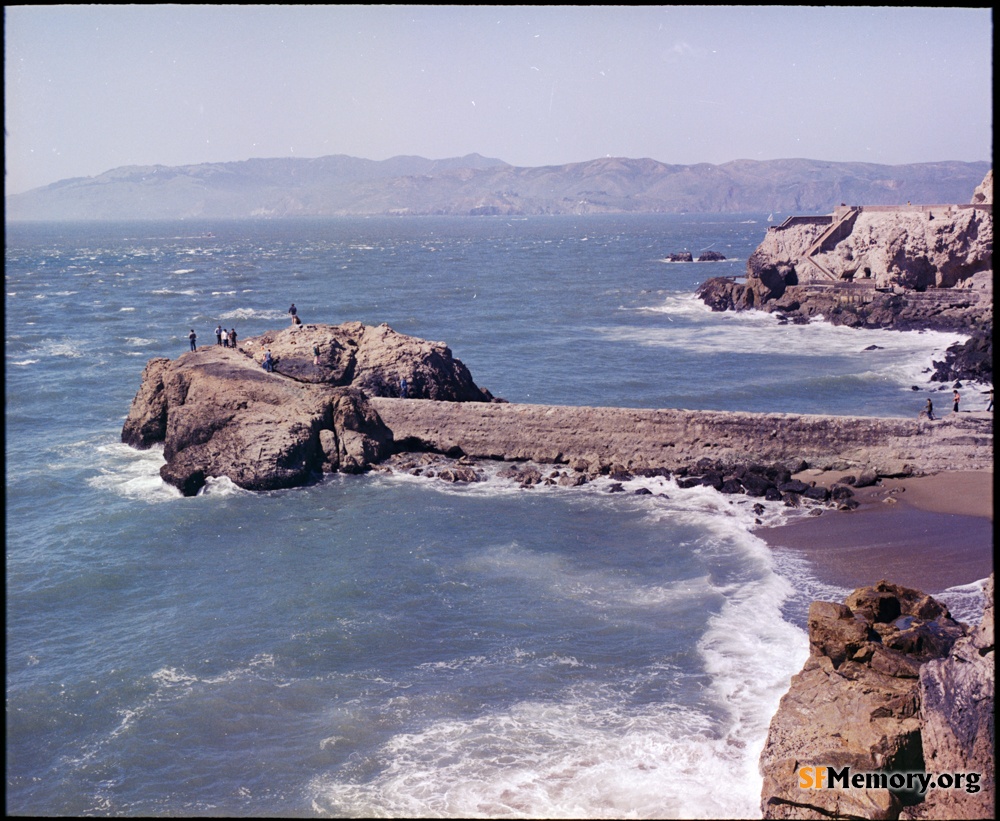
(956, 399)
(192, 337)
(268, 362)
(929, 410)
(989, 407)
(315, 354)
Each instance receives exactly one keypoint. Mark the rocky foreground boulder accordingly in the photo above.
(893, 684)
(217, 412)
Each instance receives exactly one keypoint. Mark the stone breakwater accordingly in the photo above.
(892, 684)
(597, 440)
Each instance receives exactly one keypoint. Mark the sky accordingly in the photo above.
(89, 88)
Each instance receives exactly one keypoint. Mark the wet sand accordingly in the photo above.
(929, 532)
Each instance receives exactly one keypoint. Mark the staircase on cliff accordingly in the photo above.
(840, 228)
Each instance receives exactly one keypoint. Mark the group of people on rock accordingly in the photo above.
(223, 337)
(227, 339)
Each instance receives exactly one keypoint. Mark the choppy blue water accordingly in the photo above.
(389, 645)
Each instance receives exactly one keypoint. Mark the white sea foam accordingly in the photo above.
(584, 755)
(758, 330)
(222, 486)
(65, 349)
(580, 757)
(174, 292)
(252, 313)
(132, 473)
(965, 602)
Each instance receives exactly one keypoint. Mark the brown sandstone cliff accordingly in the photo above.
(905, 267)
(893, 685)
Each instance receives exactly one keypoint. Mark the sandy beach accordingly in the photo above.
(928, 532)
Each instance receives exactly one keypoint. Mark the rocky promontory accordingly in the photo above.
(893, 685)
(217, 412)
(333, 403)
(907, 267)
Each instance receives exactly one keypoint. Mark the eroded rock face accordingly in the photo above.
(857, 703)
(984, 191)
(906, 267)
(957, 695)
(218, 413)
(374, 359)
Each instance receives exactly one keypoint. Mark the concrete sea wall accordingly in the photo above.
(595, 438)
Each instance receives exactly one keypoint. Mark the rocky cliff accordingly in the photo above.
(892, 685)
(904, 267)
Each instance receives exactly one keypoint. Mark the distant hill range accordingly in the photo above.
(345, 186)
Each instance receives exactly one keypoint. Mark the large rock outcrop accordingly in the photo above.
(903, 267)
(892, 685)
(372, 358)
(218, 413)
(892, 269)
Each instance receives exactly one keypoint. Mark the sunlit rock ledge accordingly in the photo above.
(893, 684)
(332, 404)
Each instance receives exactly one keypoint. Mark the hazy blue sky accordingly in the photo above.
(90, 88)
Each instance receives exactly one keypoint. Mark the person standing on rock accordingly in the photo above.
(218, 334)
(193, 337)
(404, 388)
(315, 354)
(956, 399)
(293, 312)
(268, 362)
(232, 337)
(989, 407)
(929, 410)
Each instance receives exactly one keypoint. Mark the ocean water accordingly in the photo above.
(388, 645)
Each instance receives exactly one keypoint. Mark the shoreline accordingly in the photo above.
(926, 532)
